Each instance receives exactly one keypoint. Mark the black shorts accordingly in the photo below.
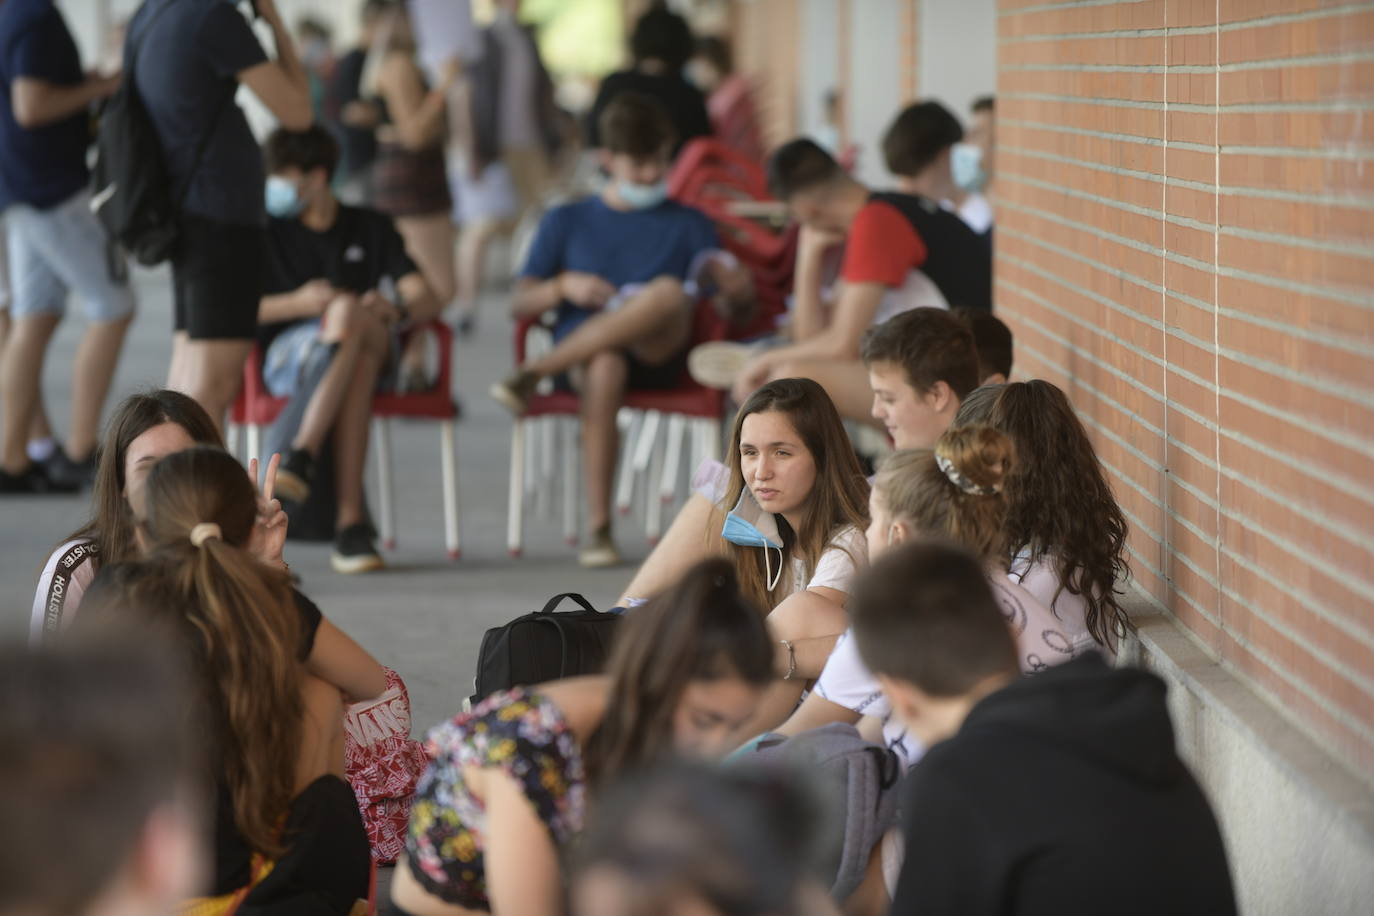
(217, 279)
(641, 376)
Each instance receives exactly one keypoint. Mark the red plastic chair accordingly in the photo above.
(708, 151)
(689, 408)
(255, 408)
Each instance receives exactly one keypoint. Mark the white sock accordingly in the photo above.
(41, 449)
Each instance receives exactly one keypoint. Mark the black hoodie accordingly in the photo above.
(1062, 794)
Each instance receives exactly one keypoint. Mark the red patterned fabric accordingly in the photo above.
(382, 765)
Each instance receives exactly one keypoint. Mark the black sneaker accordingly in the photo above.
(31, 480)
(65, 472)
(294, 476)
(354, 552)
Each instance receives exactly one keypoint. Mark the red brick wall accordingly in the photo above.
(1185, 241)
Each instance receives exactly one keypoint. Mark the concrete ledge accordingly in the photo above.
(1299, 825)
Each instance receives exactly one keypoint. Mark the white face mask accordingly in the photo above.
(966, 166)
(642, 196)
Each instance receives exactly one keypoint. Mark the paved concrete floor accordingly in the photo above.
(424, 616)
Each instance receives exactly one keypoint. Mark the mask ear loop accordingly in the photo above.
(767, 569)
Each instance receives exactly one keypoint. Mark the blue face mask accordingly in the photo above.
(641, 196)
(966, 164)
(748, 525)
(282, 198)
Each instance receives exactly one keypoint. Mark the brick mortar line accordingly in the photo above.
(1070, 4)
(1312, 560)
(1341, 391)
(1332, 105)
(1071, 316)
(1349, 201)
(1267, 63)
(1217, 27)
(1363, 152)
(1336, 479)
(1342, 529)
(1266, 694)
(1339, 293)
(1103, 234)
(1100, 299)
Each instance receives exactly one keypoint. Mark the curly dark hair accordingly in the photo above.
(1061, 505)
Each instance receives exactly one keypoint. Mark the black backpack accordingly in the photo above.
(544, 646)
(131, 191)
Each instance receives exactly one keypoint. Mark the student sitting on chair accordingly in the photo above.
(340, 288)
(618, 272)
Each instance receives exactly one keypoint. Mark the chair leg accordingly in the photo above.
(381, 438)
(712, 440)
(548, 472)
(254, 438)
(653, 506)
(625, 482)
(231, 439)
(672, 465)
(648, 439)
(571, 462)
(447, 433)
(516, 505)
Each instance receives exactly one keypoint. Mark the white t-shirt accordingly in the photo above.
(841, 559)
(64, 581)
(1071, 611)
(1040, 643)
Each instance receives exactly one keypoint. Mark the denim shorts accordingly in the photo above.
(297, 353)
(64, 250)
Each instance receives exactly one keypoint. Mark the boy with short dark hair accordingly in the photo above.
(103, 814)
(1057, 793)
(993, 340)
(928, 151)
(339, 286)
(921, 365)
(613, 271)
(901, 252)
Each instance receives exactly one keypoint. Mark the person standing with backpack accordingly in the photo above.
(56, 247)
(199, 53)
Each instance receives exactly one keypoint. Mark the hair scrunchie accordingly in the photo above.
(963, 483)
(203, 532)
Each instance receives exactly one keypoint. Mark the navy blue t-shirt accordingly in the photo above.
(40, 166)
(185, 71)
(621, 247)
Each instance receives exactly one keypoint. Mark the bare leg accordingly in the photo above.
(21, 372)
(212, 372)
(655, 324)
(351, 428)
(329, 395)
(39, 428)
(603, 391)
(689, 540)
(176, 369)
(429, 241)
(846, 381)
(96, 358)
(472, 254)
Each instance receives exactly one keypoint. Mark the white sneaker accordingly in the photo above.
(718, 363)
(600, 553)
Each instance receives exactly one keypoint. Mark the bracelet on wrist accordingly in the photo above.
(791, 658)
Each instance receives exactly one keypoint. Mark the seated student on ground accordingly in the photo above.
(1066, 535)
(1081, 803)
(791, 519)
(954, 491)
(889, 236)
(614, 271)
(993, 340)
(143, 429)
(924, 147)
(920, 365)
(691, 840)
(509, 785)
(340, 290)
(275, 675)
(98, 781)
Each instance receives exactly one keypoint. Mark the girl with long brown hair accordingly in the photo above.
(509, 782)
(795, 534)
(143, 429)
(1066, 535)
(273, 718)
